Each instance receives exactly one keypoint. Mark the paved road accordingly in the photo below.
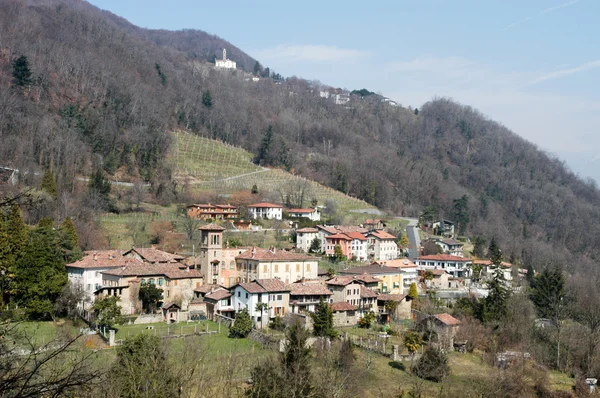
(412, 231)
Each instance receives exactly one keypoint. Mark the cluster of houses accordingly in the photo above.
(262, 210)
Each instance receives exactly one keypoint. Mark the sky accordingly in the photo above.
(533, 65)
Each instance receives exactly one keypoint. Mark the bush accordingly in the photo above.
(432, 366)
(366, 321)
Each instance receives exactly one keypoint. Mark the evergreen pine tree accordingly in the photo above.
(22, 75)
(242, 326)
(69, 241)
(494, 252)
(495, 306)
(323, 320)
(265, 146)
(207, 99)
(40, 274)
(49, 185)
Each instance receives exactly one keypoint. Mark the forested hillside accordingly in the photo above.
(103, 93)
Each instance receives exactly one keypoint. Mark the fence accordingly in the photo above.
(168, 332)
(382, 347)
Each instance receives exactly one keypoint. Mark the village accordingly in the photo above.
(362, 272)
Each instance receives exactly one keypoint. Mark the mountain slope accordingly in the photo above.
(105, 94)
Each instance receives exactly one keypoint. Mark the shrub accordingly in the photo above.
(242, 326)
(432, 366)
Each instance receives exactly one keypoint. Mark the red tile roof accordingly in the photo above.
(391, 297)
(208, 288)
(265, 204)
(252, 287)
(356, 235)
(338, 236)
(102, 259)
(447, 319)
(153, 255)
(365, 292)
(437, 272)
(170, 270)
(342, 307)
(273, 285)
(309, 289)
(256, 253)
(301, 210)
(382, 235)
(218, 295)
(211, 227)
(444, 257)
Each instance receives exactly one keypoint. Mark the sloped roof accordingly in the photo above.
(447, 319)
(398, 263)
(170, 270)
(307, 230)
(252, 287)
(342, 307)
(356, 235)
(344, 280)
(102, 259)
(382, 234)
(301, 210)
(218, 295)
(451, 242)
(208, 288)
(339, 236)
(309, 289)
(444, 257)
(365, 292)
(391, 297)
(256, 253)
(273, 285)
(153, 255)
(211, 227)
(437, 272)
(266, 204)
(373, 269)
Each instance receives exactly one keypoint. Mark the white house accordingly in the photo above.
(381, 245)
(305, 237)
(450, 246)
(225, 63)
(87, 272)
(341, 99)
(458, 267)
(359, 245)
(274, 292)
(311, 214)
(407, 268)
(266, 210)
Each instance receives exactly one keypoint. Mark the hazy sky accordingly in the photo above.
(532, 65)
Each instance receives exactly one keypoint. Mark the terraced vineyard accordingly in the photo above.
(208, 165)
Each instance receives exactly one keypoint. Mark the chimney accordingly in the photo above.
(95, 257)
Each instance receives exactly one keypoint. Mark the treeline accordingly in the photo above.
(104, 93)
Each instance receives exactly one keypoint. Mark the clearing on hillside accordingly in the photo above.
(209, 165)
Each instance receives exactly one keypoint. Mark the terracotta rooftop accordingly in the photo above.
(344, 280)
(444, 257)
(447, 319)
(365, 292)
(356, 235)
(309, 289)
(273, 285)
(265, 204)
(437, 272)
(208, 288)
(170, 270)
(350, 228)
(301, 210)
(153, 255)
(339, 236)
(342, 307)
(382, 235)
(218, 295)
(102, 259)
(211, 227)
(391, 297)
(256, 253)
(209, 206)
(373, 269)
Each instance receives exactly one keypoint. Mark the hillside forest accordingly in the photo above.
(86, 93)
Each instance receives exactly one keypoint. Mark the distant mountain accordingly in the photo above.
(104, 93)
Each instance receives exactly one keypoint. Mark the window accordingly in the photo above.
(161, 281)
(143, 281)
(349, 292)
(276, 267)
(232, 265)
(175, 282)
(287, 268)
(215, 239)
(308, 267)
(151, 281)
(168, 282)
(297, 267)
(239, 294)
(265, 268)
(279, 297)
(246, 294)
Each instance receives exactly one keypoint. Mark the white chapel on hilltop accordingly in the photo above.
(225, 63)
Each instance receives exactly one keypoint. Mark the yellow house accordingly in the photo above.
(390, 279)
